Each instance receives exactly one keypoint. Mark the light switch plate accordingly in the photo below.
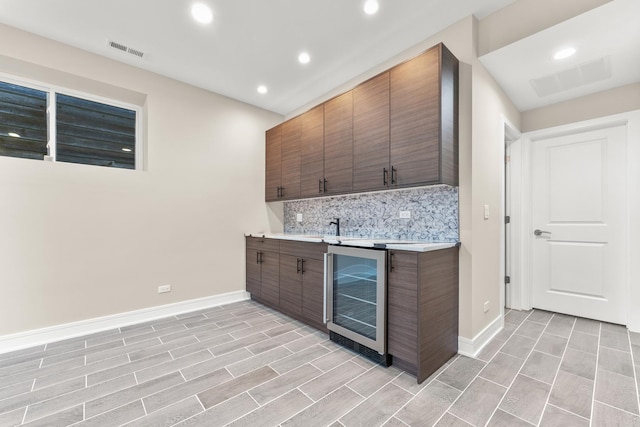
(486, 211)
(299, 217)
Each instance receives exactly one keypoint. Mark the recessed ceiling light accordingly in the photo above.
(371, 7)
(202, 13)
(262, 89)
(128, 150)
(564, 53)
(304, 58)
(13, 134)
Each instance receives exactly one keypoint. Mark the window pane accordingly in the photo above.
(92, 133)
(23, 122)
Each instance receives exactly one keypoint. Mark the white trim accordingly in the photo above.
(471, 347)
(510, 137)
(89, 326)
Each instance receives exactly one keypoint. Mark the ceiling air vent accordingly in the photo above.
(581, 75)
(125, 48)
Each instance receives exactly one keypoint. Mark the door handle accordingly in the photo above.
(328, 267)
(301, 265)
(540, 232)
(384, 176)
(297, 265)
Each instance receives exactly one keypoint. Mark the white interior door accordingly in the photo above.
(580, 214)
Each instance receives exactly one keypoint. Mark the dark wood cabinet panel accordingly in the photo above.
(424, 120)
(402, 314)
(291, 284)
(438, 305)
(263, 269)
(371, 133)
(422, 314)
(313, 291)
(305, 250)
(338, 144)
(291, 158)
(273, 178)
(415, 120)
(312, 152)
(449, 117)
(270, 291)
(254, 279)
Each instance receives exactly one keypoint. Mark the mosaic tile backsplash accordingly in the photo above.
(434, 215)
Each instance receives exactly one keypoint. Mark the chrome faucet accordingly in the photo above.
(337, 224)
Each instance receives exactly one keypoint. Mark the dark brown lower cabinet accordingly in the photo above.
(263, 269)
(288, 276)
(422, 296)
(422, 309)
(301, 280)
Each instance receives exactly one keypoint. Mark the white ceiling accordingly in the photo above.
(254, 42)
(610, 31)
(250, 42)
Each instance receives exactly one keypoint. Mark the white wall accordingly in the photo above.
(80, 242)
(606, 103)
(181, 221)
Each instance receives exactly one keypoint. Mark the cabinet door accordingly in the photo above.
(273, 170)
(415, 120)
(313, 291)
(291, 158)
(270, 291)
(338, 144)
(312, 152)
(402, 307)
(290, 284)
(253, 273)
(371, 133)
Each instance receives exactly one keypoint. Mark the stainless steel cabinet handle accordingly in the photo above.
(541, 232)
(327, 268)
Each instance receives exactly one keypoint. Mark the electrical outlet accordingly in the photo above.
(405, 214)
(299, 217)
(486, 306)
(164, 288)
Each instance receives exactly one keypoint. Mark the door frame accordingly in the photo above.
(520, 194)
(509, 237)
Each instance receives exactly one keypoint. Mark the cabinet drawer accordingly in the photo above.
(263, 244)
(306, 250)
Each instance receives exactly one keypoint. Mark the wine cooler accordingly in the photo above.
(355, 299)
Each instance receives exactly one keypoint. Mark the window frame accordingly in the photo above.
(52, 90)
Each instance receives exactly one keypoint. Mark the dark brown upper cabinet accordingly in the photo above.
(371, 134)
(273, 178)
(291, 147)
(311, 152)
(338, 147)
(423, 120)
(397, 129)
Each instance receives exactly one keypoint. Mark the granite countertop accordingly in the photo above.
(394, 244)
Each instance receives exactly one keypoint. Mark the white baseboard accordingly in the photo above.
(84, 327)
(471, 347)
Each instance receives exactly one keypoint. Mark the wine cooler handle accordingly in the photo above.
(327, 268)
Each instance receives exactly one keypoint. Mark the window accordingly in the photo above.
(43, 123)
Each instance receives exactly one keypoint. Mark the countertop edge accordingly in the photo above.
(363, 243)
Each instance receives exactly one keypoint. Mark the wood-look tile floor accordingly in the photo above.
(246, 365)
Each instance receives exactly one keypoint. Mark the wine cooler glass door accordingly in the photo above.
(357, 288)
